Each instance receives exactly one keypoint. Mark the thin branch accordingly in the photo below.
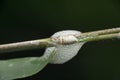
(26, 45)
(100, 32)
(84, 37)
(97, 38)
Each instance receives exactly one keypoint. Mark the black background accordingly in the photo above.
(22, 20)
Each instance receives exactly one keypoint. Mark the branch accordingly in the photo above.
(84, 37)
(26, 45)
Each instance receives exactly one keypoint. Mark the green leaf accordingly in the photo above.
(23, 67)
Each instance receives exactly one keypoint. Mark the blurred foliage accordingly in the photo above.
(32, 19)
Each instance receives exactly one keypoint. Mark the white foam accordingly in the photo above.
(64, 52)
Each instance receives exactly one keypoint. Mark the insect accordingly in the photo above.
(67, 46)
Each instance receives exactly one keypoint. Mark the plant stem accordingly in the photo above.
(97, 38)
(100, 32)
(99, 35)
(84, 37)
(26, 45)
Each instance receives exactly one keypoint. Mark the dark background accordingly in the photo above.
(22, 20)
